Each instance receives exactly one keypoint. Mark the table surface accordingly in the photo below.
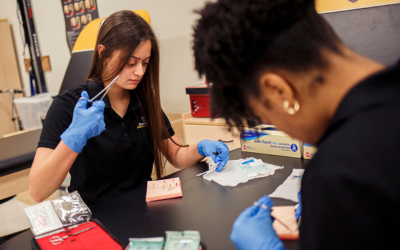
(205, 206)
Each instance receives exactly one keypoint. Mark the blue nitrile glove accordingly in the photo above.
(298, 209)
(253, 229)
(86, 123)
(217, 150)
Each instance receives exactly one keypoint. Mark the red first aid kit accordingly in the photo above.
(199, 99)
(88, 236)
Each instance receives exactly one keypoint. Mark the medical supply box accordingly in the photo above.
(266, 139)
(308, 151)
(32, 110)
(200, 99)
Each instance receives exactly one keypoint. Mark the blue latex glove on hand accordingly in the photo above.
(86, 123)
(217, 150)
(297, 213)
(253, 229)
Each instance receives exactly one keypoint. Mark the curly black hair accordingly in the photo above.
(236, 40)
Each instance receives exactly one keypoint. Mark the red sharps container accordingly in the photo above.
(200, 99)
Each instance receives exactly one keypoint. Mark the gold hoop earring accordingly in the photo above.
(291, 111)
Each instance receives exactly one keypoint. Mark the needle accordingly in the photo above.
(298, 223)
(209, 171)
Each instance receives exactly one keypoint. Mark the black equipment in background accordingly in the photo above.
(32, 40)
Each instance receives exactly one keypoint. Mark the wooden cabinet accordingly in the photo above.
(197, 129)
(9, 77)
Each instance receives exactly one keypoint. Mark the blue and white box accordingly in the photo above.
(266, 139)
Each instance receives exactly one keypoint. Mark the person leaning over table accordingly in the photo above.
(110, 147)
(279, 62)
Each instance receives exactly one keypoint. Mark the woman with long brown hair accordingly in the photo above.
(109, 146)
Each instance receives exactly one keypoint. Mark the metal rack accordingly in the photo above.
(15, 118)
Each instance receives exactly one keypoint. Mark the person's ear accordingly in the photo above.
(275, 90)
(100, 49)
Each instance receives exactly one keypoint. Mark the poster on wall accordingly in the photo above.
(78, 13)
(326, 6)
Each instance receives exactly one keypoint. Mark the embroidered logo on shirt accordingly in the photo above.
(142, 124)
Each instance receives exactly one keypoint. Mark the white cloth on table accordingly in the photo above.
(290, 187)
(232, 174)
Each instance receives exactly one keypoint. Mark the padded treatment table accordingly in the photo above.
(16, 157)
(205, 206)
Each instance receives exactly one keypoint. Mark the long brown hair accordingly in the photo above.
(124, 31)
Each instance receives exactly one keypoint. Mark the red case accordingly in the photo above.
(199, 100)
(96, 238)
(200, 105)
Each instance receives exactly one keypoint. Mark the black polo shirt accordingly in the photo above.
(351, 188)
(117, 160)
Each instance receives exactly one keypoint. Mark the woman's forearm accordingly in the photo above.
(49, 169)
(186, 157)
